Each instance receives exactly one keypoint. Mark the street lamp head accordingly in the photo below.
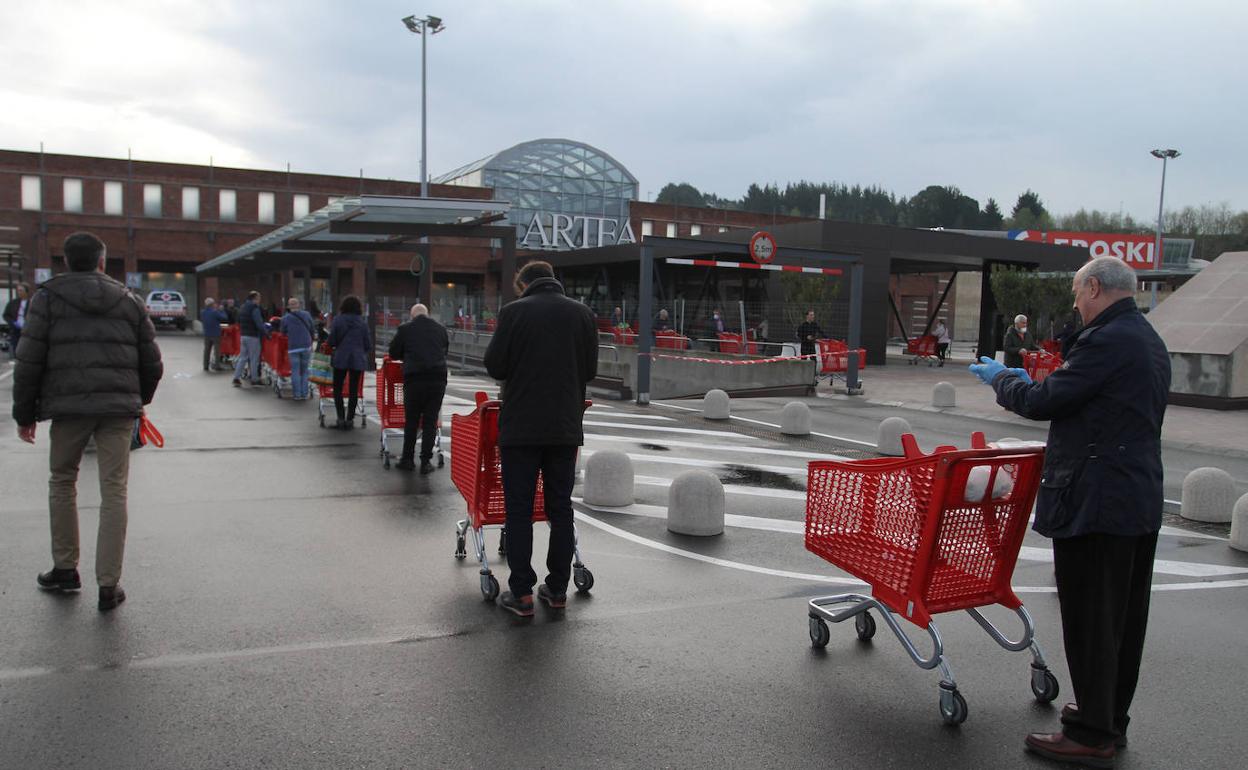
(414, 26)
(1165, 153)
(418, 26)
(435, 24)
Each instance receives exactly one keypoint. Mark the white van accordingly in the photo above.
(167, 308)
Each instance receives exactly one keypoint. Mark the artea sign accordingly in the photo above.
(1135, 250)
(568, 231)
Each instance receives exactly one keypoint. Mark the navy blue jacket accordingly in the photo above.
(212, 318)
(251, 321)
(1102, 467)
(421, 344)
(352, 343)
(545, 351)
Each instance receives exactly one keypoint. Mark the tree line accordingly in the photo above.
(1214, 227)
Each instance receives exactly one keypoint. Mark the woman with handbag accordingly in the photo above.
(353, 353)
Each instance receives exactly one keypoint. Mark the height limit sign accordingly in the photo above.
(762, 247)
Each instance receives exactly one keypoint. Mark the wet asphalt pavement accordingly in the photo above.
(293, 604)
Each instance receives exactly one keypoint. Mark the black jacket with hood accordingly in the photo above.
(88, 350)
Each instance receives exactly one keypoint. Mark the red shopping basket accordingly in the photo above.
(231, 340)
(906, 528)
(476, 471)
(273, 353)
(390, 394)
(922, 349)
(834, 357)
(1039, 364)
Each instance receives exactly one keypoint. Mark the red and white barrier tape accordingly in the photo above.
(754, 266)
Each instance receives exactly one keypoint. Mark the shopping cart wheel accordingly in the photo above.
(441, 460)
(489, 587)
(363, 421)
(864, 624)
(952, 706)
(583, 579)
(461, 550)
(321, 419)
(387, 462)
(1044, 685)
(819, 633)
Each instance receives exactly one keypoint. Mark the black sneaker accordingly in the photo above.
(426, 467)
(110, 597)
(550, 598)
(238, 383)
(405, 465)
(520, 605)
(57, 579)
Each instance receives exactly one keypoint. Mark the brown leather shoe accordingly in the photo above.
(1070, 712)
(1058, 747)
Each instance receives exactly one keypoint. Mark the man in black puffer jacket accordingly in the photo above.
(545, 351)
(87, 361)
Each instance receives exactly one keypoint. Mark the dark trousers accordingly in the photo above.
(1104, 583)
(422, 403)
(210, 343)
(520, 468)
(941, 349)
(353, 391)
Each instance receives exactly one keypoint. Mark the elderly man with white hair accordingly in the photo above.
(211, 318)
(421, 344)
(1017, 339)
(1100, 500)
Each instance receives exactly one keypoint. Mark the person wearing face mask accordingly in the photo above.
(1100, 500)
(1017, 339)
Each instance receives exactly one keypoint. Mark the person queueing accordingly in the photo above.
(15, 316)
(545, 351)
(421, 344)
(87, 361)
(251, 331)
(1100, 500)
(353, 353)
(211, 318)
(941, 333)
(1018, 339)
(300, 331)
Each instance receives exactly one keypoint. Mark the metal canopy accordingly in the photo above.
(360, 224)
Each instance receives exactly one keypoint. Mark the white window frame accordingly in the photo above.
(71, 195)
(647, 227)
(227, 205)
(114, 198)
(32, 193)
(153, 205)
(190, 203)
(671, 230)
(695, 229)
(300, 205)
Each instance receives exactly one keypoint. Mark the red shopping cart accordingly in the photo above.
(275, 362)
(834, 358)
(390, 411)
(922, 349)
(730, 342)
(231, 342)
(326, 395)
(1040, 364)
(929, 534)
(477, 474)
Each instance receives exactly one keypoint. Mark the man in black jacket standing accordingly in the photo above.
(87, 361)
(251, 331)
(545, 351)
(421, 344)
(1100, 500)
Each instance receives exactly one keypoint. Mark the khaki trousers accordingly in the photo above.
(112, 443)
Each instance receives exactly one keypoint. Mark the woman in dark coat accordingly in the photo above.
(353, 353)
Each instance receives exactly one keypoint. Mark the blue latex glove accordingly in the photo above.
(987, 369)
(1021, 373)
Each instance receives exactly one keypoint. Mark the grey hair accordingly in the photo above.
(419, 309)
(209, 302)
(1112, 273)
(1020, 317)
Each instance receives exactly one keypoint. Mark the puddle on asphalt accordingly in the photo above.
(655, 447)
(755, 477)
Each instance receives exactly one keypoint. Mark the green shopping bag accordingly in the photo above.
(321, 371)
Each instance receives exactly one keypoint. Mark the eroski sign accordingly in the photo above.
(574, 231)
(1135, 250)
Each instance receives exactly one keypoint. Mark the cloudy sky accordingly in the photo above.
(1065, 97)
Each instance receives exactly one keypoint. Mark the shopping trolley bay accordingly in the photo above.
(294, 603)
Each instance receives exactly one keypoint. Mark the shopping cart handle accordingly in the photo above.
(481, 397)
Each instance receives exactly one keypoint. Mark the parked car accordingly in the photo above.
(167, 308)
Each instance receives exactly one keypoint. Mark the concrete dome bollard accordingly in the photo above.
(1239, 524)
(944, 395)
(695, 504)
(1208, 495)
(609, 479)
(888, 440)
(715, 405)
(795, 419)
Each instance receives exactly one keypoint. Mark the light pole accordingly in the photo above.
(434, 25)
(1165, 156)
